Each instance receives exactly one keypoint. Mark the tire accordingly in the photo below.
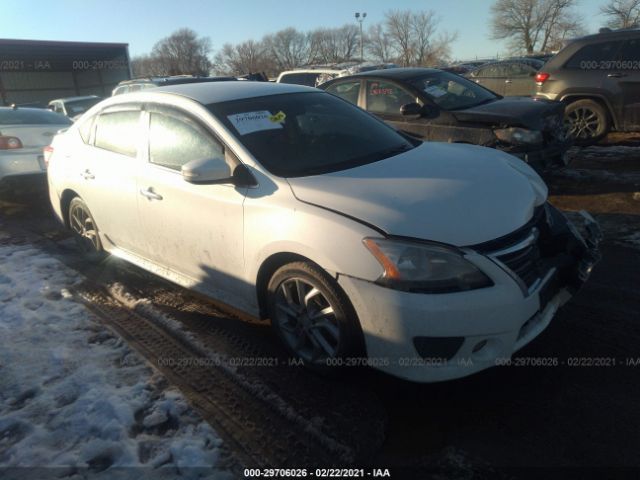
(84, 228)
(586, 121)
(307, 333)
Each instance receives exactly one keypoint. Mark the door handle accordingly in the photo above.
(508, 81)
(150, 194)
(617, 75)
(87, 175)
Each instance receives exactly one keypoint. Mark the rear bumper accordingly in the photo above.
(16, 163)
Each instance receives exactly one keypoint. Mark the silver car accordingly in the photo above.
(23, 134)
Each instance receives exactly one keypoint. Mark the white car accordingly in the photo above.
(23, 134)
(73, 107)
(429, 261)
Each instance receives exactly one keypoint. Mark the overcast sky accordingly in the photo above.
(141, 23)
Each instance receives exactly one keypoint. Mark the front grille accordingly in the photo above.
(520, 250)
(524, 262)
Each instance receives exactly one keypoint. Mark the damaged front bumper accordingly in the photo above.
(543, 159)
(590, 235)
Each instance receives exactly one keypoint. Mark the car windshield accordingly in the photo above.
(301, 134)
(74, 107)
(31, 116)
(452, 92)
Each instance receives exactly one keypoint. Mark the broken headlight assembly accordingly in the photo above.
(518, 136)
(424, 267)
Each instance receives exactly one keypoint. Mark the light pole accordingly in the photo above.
(360, 19)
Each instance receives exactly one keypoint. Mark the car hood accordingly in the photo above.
(451, 193)
(511, 111)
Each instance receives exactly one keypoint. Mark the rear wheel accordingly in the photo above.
(84, 227)
(312, 316)
(586, 121)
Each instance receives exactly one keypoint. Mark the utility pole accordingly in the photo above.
(360, 19)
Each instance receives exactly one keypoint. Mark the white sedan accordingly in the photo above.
(428, 261)
(23, 134)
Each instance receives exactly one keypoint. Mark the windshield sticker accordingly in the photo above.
(435, 91)
(278, 117)
(249, 122)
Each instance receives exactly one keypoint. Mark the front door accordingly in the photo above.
(194, 230)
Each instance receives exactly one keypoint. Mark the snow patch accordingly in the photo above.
(259, 390)
(74, 396)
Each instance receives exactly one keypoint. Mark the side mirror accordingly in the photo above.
(208, 170)
(411, 109)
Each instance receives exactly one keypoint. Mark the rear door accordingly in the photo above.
(520, 81)
(194, 230)
(108, 175)
(624, 79)
(491, 77)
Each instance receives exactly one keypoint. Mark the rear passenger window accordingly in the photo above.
(347, 90)
(85, 129)
(629, 55)
(119, 132)
(599, 56)
(308, 79)
(519, 70)
(174, 141)
(491, 71)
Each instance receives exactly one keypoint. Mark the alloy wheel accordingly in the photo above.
(82, 224)
(307, 320)
(583, 123)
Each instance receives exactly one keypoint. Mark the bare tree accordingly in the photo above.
(183, 52)
(378, 43)
(622, 13)
(530, 25)
(413, 37)
(288, 48)
(147, 66)
(246, 57)
(334, 45)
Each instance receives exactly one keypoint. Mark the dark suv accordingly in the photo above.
(598, 78)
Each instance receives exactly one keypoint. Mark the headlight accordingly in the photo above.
(426, 268)
(518, 136)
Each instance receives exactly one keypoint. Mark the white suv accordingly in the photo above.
(429, 261)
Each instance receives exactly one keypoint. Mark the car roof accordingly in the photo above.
(609, 35)
(528, 61)
(216, 92)
(396, 73)
(310, 70)
(71, 99)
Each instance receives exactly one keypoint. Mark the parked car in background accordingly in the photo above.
(434, 105)
(354, 240)
(137, 84)
(313, 76)
(23, 134)
(73, 107)
(509, 78)
(598, 78)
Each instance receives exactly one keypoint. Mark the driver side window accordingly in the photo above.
(386, 97)
(175, 141)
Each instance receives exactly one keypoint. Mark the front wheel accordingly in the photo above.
(586, 121)
(84, 227)
(312, 316)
